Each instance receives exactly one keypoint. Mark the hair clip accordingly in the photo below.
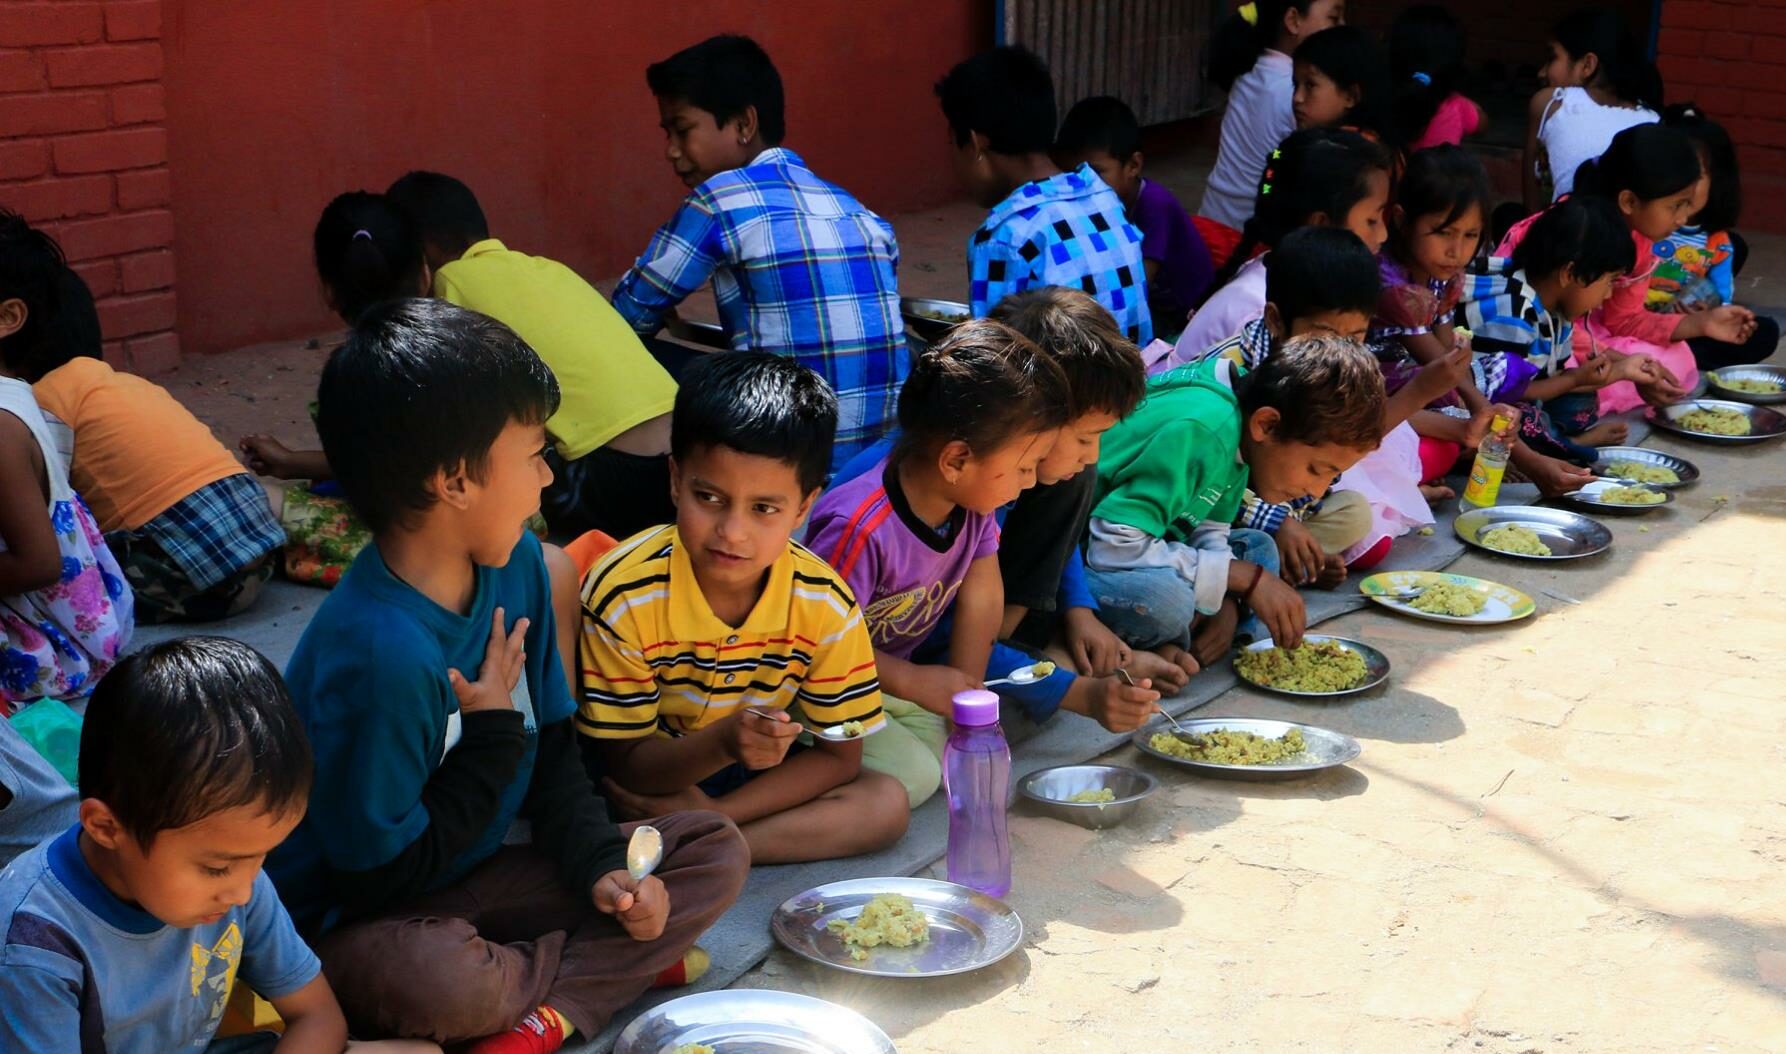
(1277, 155)
(1264, 188)
(1425, 80)
(362, 233)
(1249, 13)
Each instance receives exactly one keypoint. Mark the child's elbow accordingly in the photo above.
(40, 573)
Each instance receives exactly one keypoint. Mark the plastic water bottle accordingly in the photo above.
(977, 779)
(1491, 464)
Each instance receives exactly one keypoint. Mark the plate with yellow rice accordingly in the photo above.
(1248, 748)
(1530, 532)
(1652, 468)
(1320, 667)
(751, 1021)
(1618, 498)
(1748, 384)
(1457, 599)
(897, 927)
(1720, 421)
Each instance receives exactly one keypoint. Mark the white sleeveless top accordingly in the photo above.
(1575, 129)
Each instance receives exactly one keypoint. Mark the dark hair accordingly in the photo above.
(1326, 389)
(1426, 64)
(1314, 170)
(1236, 43)
(188, 728)
(1724, 198)
(757, 403)
(444, 210)
(1349, 57)
(1317, 269)
(724, 75)
(420, 387)
(1624, 66)
(1582, 234)
(72, 332)
(984, 384)
(1442, 180)
(31, 270)
(1649, 160)
(367, 251)
(1102, 122)
(1102, 368)
(1006, 95)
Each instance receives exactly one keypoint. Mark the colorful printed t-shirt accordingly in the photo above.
(655, 659)
(1068, 230)
(1693, 266)
(905, 572)
(1407, 308)
(83, 970)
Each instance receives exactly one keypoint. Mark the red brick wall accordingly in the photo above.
(83, 154)
(1730, 57)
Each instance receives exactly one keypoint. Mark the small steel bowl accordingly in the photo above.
(1050, 788)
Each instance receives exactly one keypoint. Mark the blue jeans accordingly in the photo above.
(1150, 606)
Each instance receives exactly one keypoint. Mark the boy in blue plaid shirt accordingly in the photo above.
(799, 267)
(1046, 227)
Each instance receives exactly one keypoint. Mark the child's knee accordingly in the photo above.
(884, 807)
(432, 977)
(1255, 547)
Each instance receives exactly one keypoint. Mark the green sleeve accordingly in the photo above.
(1173, 475)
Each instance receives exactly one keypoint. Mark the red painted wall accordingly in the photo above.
(540, 105)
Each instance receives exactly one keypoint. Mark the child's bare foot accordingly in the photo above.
(1436, 492)
(1606, 433)
(1333, 572)
(1168, 675)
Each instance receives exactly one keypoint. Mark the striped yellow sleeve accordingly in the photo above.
(841, 683)
(617, 697)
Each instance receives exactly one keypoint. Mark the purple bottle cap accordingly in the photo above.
(976, 707)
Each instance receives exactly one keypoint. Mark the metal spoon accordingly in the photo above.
(1035, 671)
(644, 851)
(834, 733)
(1178, 730)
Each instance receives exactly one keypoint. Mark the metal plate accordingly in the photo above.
(1503, 603)
(968, 930)
(1715, 379)
(1325, 749)
(751, 1021)
(1570, 535)
(1588, 497)
(1764, 424)
(1376, 667)
(1686, 470)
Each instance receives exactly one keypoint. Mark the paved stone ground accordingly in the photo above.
(1563, 836)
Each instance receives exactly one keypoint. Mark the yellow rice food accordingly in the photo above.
(1736, 384)
(1228, 746)
(1102, 794)
(1313, 666)
(693, 1048)
(1448, 598)
(1520, 541)
(1639, 472)
(1631, 496)
(889, 919)
(852, 729)
(1713, 420)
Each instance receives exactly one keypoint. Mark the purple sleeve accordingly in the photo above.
(986, 534)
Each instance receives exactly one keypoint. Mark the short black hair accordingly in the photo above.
(188, 728)
(1350, 58)
(71, 333)
(1582, 234)
(31, 270)
(757, 403)
(1326, 389)
(420, 387)
(984, 384)
(1317, 269)
(367, 251)
(724, 75)
(1102, 122)
(1724, 198)
(1006, 95)
(443, 209)
(1443, 180)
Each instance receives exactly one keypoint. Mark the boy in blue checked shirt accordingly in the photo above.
(799, 267)
(1046, 227)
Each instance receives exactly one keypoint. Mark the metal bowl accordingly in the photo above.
(1764, 424)
(1050, 790)
(1570, 535)
(759, 1021)
(968, 929)
(1326, 749)
(1376, 667)
(1686, 470)
(919, 314)
(1589, 497)
(1715, 383)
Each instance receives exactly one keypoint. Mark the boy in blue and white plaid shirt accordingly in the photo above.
(799, 267)
(1046, 227)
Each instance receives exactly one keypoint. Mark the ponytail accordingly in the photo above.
(1238, 40)
(367, 251)
(1649, 160)
(1625, 67)
(1426, 60)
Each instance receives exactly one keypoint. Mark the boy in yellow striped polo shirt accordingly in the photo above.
(711, 645)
